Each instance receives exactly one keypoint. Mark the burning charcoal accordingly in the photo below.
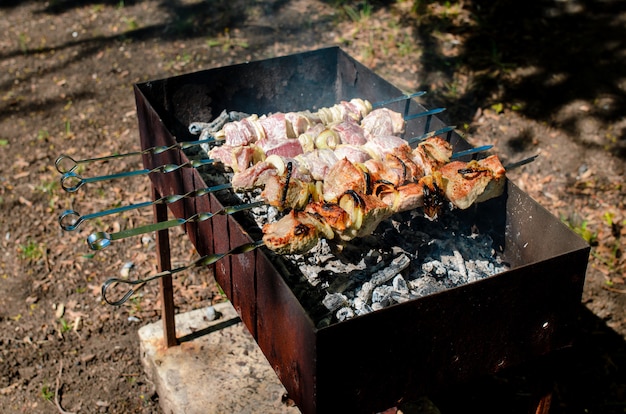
(434, 267)
(397, 265)
(334, 301)
(344, 314)
(381, 296)
(365, 293)
(426, 285)
(399, 284)
(401, 297)
(363, 308)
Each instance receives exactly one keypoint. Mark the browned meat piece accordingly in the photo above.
(404, 198)
(431, 154)
(296, 232)
(366, 212)
(434, 196)
(281, 195)
(472, 182)
(332, 214)
(343, 176)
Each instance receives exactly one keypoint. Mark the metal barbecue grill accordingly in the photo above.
(372, 361)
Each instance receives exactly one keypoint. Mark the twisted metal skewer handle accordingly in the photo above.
(203, 261)
(71, 182)
(69, 220)
(101, 239)
(65, 164)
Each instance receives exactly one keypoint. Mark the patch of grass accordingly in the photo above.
(47, 393)
(65, 326)
(136, 304)
(23, 42)
(31, 250)
(131, 23)
(582, 230)
(226, 41)
(48, 187)
(359, 13)
(42, 134)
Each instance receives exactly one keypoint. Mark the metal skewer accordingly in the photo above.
(71, 182)
(398, 99)
(101, 239)
(470, 151)
(69, 220)
(425, 113)
(431, 134)
(65, 164)
(518, 164)
(203, 261)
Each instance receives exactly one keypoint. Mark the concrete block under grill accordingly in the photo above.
(372, 361)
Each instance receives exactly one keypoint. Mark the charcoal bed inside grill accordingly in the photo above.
(416, 346)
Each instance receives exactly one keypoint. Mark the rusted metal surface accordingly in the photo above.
(427, 343)
(165, 283)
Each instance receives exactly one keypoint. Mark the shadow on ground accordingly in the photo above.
(589, 377)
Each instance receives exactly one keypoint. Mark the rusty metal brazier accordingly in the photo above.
(372, 361)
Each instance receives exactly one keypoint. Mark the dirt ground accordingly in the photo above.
(546, 78)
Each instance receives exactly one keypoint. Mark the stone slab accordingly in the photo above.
(218, 367)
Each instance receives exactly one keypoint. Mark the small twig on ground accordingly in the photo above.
(56, 392)
(610, 289)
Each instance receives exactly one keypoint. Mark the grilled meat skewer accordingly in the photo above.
(462, 184)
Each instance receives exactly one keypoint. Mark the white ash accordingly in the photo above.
(379, 271)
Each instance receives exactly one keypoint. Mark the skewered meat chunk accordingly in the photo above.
(403, 198)
(296, 232)
(282, 193)
(253, 177)
(237, 158)
(431, 154)
(290, 147)
(357, 213)
(355, 109)
(382, 122)
(318, 162)
(352, 153)
(343, 176)
(331, 213)
(467, 183)
(349, 132)
(366, 212)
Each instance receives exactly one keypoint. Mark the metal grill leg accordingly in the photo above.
(165, 263)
